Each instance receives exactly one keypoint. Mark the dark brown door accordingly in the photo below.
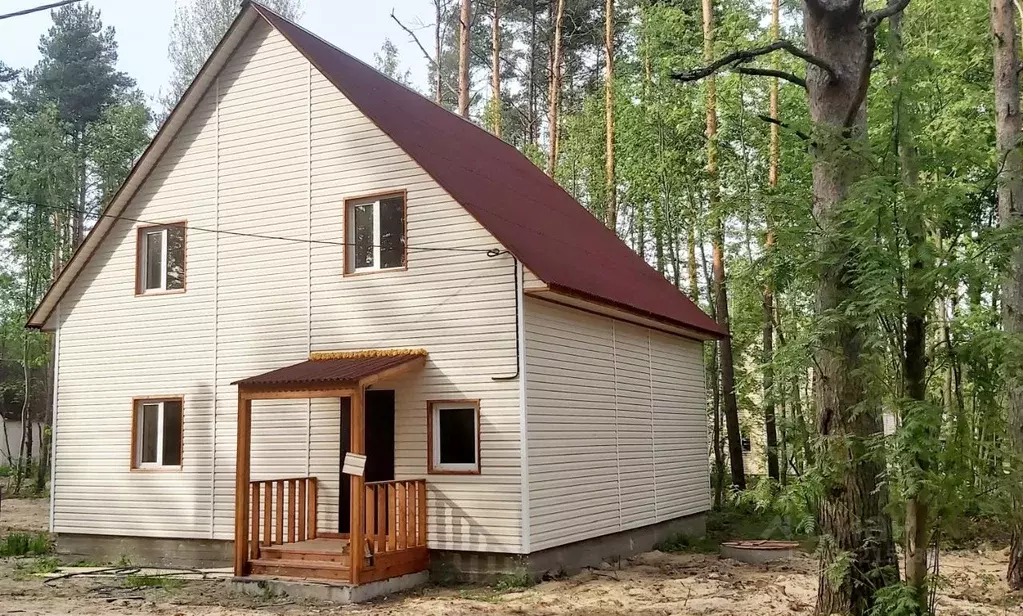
(379, 445)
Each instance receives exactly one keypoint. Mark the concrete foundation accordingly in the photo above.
(326, 592)
(447, 565)
(145, 551)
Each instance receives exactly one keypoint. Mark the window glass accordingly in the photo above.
(154, 260)
(363, 236)
(150, 430)
(175, 257)
(172, 433)
(457, 435)
(392, 232)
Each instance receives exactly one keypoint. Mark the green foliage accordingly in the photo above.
(514, 580)
(894, 600)
(25, 544)
(152, 581)
(38, 566)
(683, 543)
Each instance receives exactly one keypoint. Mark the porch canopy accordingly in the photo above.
(323, 375)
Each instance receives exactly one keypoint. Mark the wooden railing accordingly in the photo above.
(281, 511)
(395, 515)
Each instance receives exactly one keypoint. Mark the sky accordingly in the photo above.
(143, 29)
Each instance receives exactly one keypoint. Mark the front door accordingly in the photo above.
(379, 445)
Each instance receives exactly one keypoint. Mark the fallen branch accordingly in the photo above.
(740, 57)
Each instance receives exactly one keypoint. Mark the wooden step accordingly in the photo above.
(328, 556)
(299, 569)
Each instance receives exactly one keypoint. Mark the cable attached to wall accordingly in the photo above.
(518, 283)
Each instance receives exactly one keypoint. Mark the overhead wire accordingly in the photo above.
(490, 252)
(36, 9)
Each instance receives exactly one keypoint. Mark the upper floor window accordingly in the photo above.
(161, 258)
(375, 233)
(156, 433)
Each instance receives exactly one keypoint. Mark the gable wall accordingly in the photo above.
(616, 423)
(273, 148)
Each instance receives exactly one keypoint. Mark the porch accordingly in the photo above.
(277, 528)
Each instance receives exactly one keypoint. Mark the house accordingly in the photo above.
(311, 267)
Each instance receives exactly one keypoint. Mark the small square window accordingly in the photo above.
(454, 430)
(157, 434)
(161, 259)
(375, 234)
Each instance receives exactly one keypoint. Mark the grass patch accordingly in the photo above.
(25, 544)
(516, 580)
(153, 581)
(38, 566)
(683, 543)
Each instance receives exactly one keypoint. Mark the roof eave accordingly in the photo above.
(712, 334)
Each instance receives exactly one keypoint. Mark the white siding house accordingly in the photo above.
(591, 421)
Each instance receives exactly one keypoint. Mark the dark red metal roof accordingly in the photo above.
(343, 369)
(523, 208)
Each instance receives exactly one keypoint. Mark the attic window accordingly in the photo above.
(161, 259)
(375, 233)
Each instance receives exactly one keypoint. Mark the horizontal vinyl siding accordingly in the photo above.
(616, 425)
(115, 346)
(274, 149)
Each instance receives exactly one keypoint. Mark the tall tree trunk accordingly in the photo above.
(720, 287)
(531, 119)
(714, 383)
(495, 74)
(857, 549)
(694, 284)
(915, 357)
(555, 90)
(770, 424)
(439, 85)
(464, 24)
(611, 210)
(1010, 215)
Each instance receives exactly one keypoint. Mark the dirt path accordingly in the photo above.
(653, 584)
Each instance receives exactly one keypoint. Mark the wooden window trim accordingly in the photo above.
(431, 468)
(140, 232)
(135, 404)
(348, 271)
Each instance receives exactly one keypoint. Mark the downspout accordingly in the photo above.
(520, 374)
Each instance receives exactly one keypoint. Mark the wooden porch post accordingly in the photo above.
(358, 446)
(241, 487)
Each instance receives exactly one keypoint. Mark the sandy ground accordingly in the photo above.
(653, 584)
(24, 514)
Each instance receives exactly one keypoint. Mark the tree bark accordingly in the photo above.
(495, 74)
(464, 23)
(770, 424)
(1010, 215)
(857, 550)
(555, 90)
(439, 94)
(609, 117)
(915, 358)
(727, 368)
(714, 384)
